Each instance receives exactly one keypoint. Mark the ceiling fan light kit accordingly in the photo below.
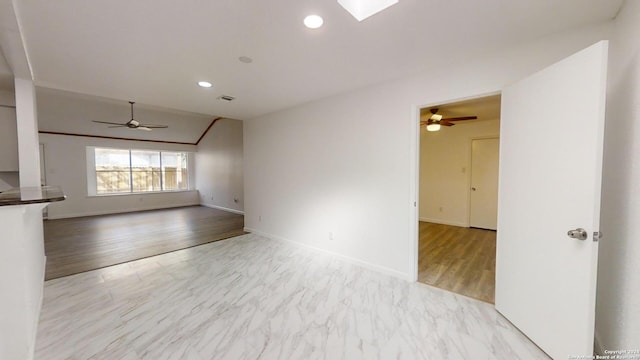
(132, 124)
(433, 127)
(362, 9)
(436, 121)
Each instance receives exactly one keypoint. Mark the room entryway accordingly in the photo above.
(458, 196)
(87, 243)
(549, 201)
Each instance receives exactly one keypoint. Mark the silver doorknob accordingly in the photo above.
(579, 233)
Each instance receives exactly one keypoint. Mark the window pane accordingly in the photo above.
(145, 168)
(112, 171)
(174, 171)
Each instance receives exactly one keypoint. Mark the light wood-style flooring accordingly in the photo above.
(462, 260)
(81, 244)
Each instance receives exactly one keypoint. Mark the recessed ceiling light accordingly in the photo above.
(313, 21)
(204, 84)
(245, 59)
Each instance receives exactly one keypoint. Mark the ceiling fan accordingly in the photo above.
(435, 121)
(133, 124)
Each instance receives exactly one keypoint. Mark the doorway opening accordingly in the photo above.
(458, 187)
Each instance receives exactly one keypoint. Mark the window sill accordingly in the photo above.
(140, 193)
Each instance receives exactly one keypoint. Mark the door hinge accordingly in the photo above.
(597, 235)
(414, 204)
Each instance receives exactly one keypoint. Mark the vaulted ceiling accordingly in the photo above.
(154, 51)
(73, 113)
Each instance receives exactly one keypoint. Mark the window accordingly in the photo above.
(146, 171)
(112, 171)
(174, 170)
(119, 171)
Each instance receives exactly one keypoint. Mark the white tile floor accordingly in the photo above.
(254, 298)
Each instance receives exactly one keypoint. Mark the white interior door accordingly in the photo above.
(483, 200)
(550, 177)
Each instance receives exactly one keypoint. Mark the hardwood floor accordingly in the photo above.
(462, 260)
(81, 244)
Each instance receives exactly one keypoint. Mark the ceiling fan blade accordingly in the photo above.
(143, 128)
(117, 126)
(106, 122)
(461, 118)
(150, 126)
(444, 123)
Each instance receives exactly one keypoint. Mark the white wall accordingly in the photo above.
(22, 264)
(8, 140)
(9, 180)
(22, 261)
(27, 121)
(65, 156)
(445, 160)
(346, 165)
(7, 97)
(66, 166)
(219, 177)
(618, 299)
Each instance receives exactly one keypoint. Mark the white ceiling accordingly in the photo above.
(154, 51)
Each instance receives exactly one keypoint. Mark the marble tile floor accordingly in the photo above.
(254, 298)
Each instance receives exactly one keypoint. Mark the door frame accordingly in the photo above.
(470, 167)
(414, 175)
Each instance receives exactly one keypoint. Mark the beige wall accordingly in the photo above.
(445, 160)
(219, 167)
(66, 166)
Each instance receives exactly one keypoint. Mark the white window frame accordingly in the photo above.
(92, 185)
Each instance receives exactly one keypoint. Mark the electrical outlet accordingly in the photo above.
(440, 209)
(330, 235)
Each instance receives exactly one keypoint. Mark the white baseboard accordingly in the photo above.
(222, 208)
(121, 211)
(444, 222)
(362, 263)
